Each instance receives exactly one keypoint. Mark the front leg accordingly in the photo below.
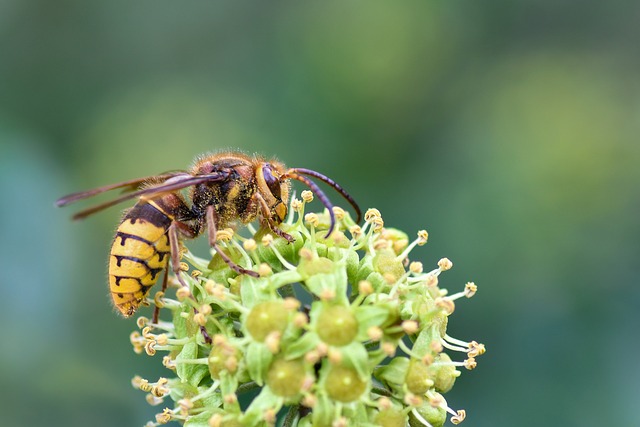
(266, 215)
(212, 230)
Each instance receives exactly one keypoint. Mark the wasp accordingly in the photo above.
(224, 189)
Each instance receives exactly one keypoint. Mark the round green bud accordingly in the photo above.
(267, 317)
(337, 325)
(353, 263)
(386, 263)
(435, 416)
(417, 379)
(285, 377)
(392, 417)
(315, 266)
(343, 384)
(444, 376)
(219, 361)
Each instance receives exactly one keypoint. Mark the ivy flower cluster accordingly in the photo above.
(338, 330)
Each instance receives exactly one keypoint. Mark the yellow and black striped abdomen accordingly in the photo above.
(139, 253)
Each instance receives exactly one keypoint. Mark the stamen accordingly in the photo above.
(445, 264)
(419, 241)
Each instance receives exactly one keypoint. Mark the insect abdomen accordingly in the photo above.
(139, 253)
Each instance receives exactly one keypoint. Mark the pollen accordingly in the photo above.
(307, 196)
(264, 270)
(267, 239)
(356, 231)
(470, 363)
(445, 264)
(291, 304)
(372, 213)
(250, 245)
(339, 213)
(158, 299)
(225, 235)
(150, 348)
(381, 244)
(142, 321)
(300, 320)
(165, 416)
(410, 327)
(365, 287)
(306, 254)
(183, 293)
(272, 341)
(215, 420)
(461, 415)
(470, 289)
(312, 219)
(296, 205)
(375, 333)
(269, 416)
(446, 304)
(412, 400)
(416, 267)
(384, 403)
(309, 401)
(388, 348)
(200, 319)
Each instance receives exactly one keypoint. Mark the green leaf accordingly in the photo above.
(228, 383)
(258, 360)
(262, 402)
(180, 323)
(253, 290)
(368, 316)
(200, 420)
(393, 373)
(186, 371)
(422, 345)
(302, 346)
(355, 355)
(323, 412)
(335, 280)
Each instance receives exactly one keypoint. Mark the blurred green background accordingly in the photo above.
(509, 130)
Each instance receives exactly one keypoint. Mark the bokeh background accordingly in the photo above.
(509, 130)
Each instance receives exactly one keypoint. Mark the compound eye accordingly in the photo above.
(271, 181)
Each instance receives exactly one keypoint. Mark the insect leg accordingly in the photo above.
(266, 214)
(212, 234)
(156, 310)
(174, 243)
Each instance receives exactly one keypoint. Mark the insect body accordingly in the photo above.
(224, 189)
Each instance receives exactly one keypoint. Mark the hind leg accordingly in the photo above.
(174, 242)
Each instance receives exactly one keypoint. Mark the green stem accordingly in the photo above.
(292, 416)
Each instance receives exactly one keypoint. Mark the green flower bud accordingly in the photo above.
(316, 266)
(417, 378)
(267, 317)
(386, 263)
(444, 376)
(288, 250)
(219, 360)
(436, 417)
(336, 325)
(343, 384)
(392, 417)
(285, 377)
